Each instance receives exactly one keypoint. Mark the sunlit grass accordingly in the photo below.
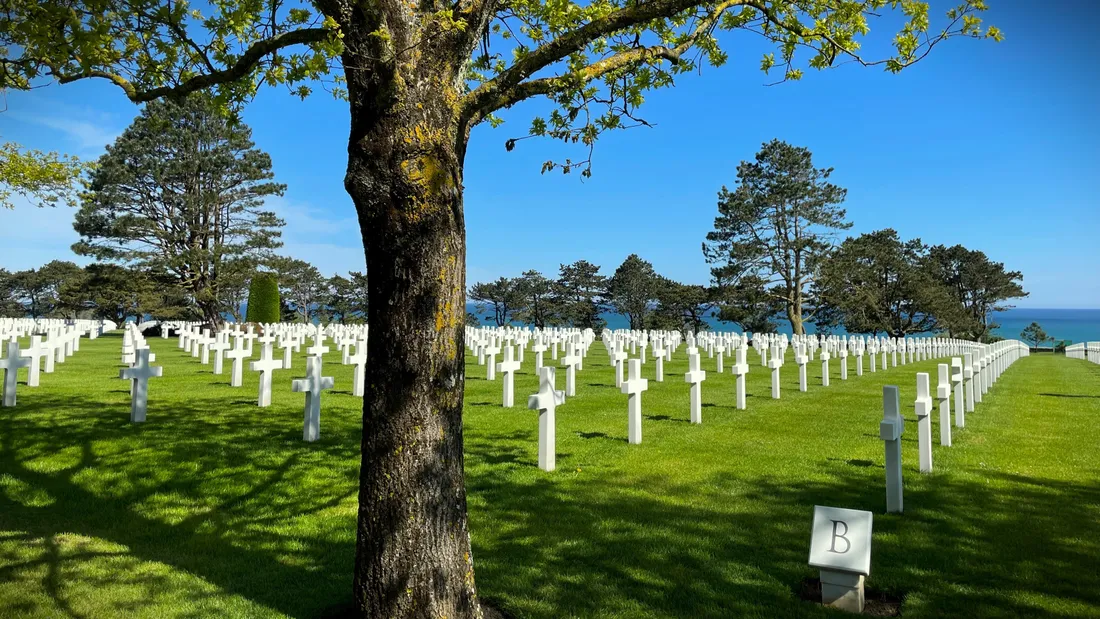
(216, 507)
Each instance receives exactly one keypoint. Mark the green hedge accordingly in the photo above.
(263, 298)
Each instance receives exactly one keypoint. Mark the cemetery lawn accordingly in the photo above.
(215, 507)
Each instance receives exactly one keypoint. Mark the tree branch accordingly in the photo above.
(245, 63)
(508, 88)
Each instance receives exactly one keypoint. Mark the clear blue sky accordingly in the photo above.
(994, 146)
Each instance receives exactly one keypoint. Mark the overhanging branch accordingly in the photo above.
(245, 63)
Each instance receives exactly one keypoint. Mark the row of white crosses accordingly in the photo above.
(489, 342)
(911, 350)
(51, 339)
(1089, 351)
(290, 338)
(973, 373)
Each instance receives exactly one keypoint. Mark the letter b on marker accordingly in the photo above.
(841, 536)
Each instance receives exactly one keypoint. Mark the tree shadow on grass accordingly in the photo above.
(579, 548)
(201, 492)
(1068, 395)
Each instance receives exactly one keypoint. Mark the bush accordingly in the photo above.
(263, 298)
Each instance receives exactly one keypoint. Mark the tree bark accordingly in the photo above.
(794, 316)
(404, 174)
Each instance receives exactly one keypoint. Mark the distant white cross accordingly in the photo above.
(923, 409)
(572, 361)
(633, 387)
(265, 366)
(740, 369)
(359, 371)
(619, 358)
(538, 349)
(312, 385)
(943, 397)
(546, 402)
(219, 346)
(774, 364)
(507, 369)
(139, 376)
(11, 363)
(659, 359)
(491, 353)
(696, 376)
(35, 353)
(237, 355)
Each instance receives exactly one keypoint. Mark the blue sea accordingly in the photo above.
(1072, 325)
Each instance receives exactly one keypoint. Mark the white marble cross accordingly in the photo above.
(265, 366)
(218, 347)
(843, 352)
(318, 349)
(35, 353)
(238, 355)
(546, 402)
(659, 360)
(139, 376)
(695, 377)
(775, 363)
(922, 406)
(740, 369)
(204, 346)
(491, 352)
(538, 349)
(633, 387)
(968, 376)
(508, 368)
(289, 345)
(11, 363)
(619, 358)
(801, 359)
(572, 361)
(957, 387)
(359, 371)
(890, 430)
(312, 385)
(943, 396)
(825, 356)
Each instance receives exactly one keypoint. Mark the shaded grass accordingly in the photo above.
(215, 507)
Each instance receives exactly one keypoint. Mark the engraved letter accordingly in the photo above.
(847, 543)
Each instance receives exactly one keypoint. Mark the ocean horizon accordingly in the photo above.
(1071, 325)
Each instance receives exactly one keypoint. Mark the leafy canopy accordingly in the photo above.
(46, 179)
(595, 60)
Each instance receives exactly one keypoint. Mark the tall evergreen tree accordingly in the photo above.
(502, 295)
(580, 288)
(539, 305)
(181, 191)
(681, 306)
(877, 283)
(776, 225)
(976, 288)
(632, 290)
(302, 287)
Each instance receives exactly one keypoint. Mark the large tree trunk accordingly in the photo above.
(404, 174)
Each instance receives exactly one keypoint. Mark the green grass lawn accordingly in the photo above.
(216, 507)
